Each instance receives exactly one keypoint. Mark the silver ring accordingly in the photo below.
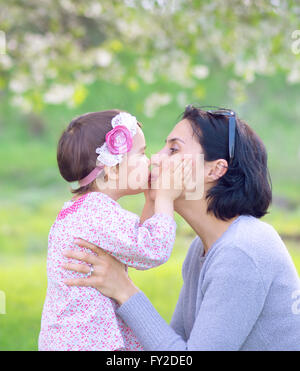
(91, 270)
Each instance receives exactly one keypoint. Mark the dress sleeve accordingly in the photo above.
(233, 298)
(119, 232)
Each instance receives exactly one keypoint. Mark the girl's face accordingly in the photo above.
(133, 172)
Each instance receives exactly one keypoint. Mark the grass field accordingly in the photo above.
(24, 284)
(32, 192)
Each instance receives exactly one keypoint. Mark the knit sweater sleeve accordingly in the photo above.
(177, 318)
(177, 321)
(233, 296)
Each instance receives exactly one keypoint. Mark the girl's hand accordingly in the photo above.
(109, 275)
(173, 175)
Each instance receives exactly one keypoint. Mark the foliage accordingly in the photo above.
(55, 48)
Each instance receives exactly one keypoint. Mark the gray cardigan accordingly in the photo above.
(243, 295)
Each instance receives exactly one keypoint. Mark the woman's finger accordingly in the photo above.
(80, 268)
(176, 162)
(84, 282)
(178, 179)
(187, 169)
(82, 256)
(187, 162)
(189, 184)
(87, 245)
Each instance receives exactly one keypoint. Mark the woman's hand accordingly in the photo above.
(109, 275)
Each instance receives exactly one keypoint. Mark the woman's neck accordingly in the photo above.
(206, 226)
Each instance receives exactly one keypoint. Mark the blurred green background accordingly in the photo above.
(150, 58)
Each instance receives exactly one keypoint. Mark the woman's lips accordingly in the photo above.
(152, 178)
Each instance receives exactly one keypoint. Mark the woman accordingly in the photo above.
(239, 280)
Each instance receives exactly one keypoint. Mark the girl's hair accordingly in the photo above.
(76, 156)
(245, 188)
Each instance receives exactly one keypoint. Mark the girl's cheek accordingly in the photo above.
(138, 170)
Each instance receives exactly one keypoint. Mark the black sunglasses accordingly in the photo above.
(232, 125)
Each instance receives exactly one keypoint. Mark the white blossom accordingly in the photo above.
(59, 94)
(155, 101)
(103, 58)
(200, 71)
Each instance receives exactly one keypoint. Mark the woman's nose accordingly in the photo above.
(155, 159)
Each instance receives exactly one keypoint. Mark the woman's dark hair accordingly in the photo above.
(245, 188)
(76, 156)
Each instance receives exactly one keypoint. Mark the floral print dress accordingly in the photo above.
(81, 318)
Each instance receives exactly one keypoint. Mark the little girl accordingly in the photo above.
(101, 150)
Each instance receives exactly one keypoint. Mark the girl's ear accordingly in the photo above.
(105, 176)
(111, 173)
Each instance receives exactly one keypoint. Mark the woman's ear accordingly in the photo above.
(217, 169)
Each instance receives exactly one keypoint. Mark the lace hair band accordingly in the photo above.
(118, 142)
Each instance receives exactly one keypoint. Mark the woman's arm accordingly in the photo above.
(106, 267)
(233, 297)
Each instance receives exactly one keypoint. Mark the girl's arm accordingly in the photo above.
(149, 207)
(119, 232)
(137, 245)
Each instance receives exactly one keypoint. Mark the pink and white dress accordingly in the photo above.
(81, 318)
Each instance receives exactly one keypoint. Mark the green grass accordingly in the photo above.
(24, 284)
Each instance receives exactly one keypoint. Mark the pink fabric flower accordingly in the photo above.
(119, 140)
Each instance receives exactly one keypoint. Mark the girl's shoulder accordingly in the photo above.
(102, 198)
(88, 202)
(97, 203)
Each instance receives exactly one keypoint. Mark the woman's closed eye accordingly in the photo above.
(173, 150)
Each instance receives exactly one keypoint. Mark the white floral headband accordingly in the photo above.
(118, 141)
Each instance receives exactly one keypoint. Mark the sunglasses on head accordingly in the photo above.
(232, 125)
